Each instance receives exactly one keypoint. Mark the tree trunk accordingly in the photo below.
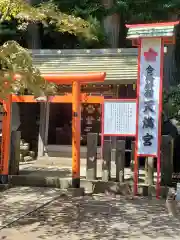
(111, 25)
(33, 34)
(170, 61)
(169, 67)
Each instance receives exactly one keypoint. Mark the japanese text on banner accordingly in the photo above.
(149, 92)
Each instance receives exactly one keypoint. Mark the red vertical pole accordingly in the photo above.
(6, 136)
(76, 133)
(135, 173)
(136, 165)
(102, 128)
(159, 124)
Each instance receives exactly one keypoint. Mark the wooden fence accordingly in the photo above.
(111, 152)
(117, 154)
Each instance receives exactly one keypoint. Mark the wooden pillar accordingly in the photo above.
(46, 124)
(91, 165)
(120, 160)
(42, 126)
(106, 166)
(15, 153)
(76, 134)
(166, 160)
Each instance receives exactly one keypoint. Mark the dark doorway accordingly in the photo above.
(60, 119)
(30, 117)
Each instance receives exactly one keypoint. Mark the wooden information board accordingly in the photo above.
(119, 118)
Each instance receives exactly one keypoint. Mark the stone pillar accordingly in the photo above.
(166, 160)
(149, 170)
(132, 155)
(120, 160)
(91, 165)
(113, 148)
(106, 166)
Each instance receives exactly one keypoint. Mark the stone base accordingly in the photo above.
(3, 179)
(124, 189)
(39, 181)
(87, 186)
(4, 187)
(75, 192)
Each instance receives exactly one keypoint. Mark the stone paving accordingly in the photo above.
(61, 167)
(95, 217)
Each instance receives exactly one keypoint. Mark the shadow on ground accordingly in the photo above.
(101, 218)
(17, 201)
(46, 172)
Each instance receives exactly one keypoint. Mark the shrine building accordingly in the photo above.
(51, 123)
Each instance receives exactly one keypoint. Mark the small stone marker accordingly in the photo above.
(106, 166)
(91, 166)
(171, 202)
(178, 192)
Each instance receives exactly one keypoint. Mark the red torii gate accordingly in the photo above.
(76, 80)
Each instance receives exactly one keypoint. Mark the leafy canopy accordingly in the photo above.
(150, 10)
(46, 13)
(16, 61)
(139, 11)
(18, 73)
(172, 103)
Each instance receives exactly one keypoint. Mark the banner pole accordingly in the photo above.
(137, 115)
(135, 173)
(158, 188)
(102, 129)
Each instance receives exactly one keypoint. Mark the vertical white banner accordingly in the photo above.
(149, 97)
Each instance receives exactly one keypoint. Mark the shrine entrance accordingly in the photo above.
(75, 98)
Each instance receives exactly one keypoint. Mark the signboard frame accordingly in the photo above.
(103, 115)
(102, 121)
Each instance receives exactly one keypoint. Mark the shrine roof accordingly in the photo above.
(151, 30)
(119, 64)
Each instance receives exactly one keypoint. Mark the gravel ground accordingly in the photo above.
(95, 217)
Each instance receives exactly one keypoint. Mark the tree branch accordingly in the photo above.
(6, 12)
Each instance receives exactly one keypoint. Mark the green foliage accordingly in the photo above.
(150, 10)
(171, 103)
(134, 11)
(93, 12)
(139, 11)
(16, 61)
(82, 8)
(100, 40)
(46, 13)
(93, 8)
